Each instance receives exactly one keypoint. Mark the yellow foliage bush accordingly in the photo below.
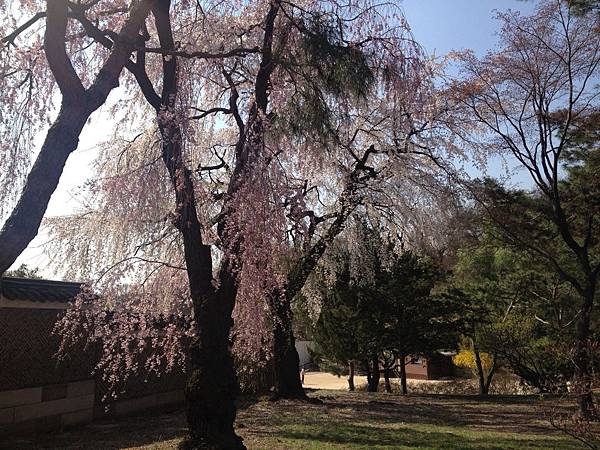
(466, 359)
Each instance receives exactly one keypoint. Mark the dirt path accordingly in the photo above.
(323, 380)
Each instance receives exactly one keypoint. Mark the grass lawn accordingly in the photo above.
(344, 421)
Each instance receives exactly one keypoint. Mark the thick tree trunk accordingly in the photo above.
(403, 374)
(386, 378)
(211, 385)
(351, 376)
(286, 365)
(286, 362)
(373, 380)
(583, 385)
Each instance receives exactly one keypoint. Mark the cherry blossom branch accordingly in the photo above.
(348, 202)
(10, 38)
(137, 259)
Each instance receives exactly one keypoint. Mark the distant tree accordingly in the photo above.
(382, 311)
(486, 280)
(24, 271)
(519, 312)
(411, 321)
(337, 328)
(526, 99)
(539, 355)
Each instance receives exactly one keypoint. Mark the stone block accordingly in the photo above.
(54, 392)
(135, 404)
(28, 412)
(7, 415)
(77, 417)
(20, 397)
(170, 397)
(79, 388)
(47, 423)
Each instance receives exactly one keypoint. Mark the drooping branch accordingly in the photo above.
(241, 51)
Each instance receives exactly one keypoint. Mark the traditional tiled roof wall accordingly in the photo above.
(37, 391)
(34, 290)
(27, 345)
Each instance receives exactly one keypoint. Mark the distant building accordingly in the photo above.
(433, 368)
(303, 348)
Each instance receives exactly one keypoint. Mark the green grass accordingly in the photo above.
(361, 435)
(381, 421)
(343, 421)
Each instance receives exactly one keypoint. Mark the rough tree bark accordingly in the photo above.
(62, 138)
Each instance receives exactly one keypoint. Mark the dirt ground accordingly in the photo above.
(324, 380)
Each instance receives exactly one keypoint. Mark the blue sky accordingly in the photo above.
(444, 25)
(441, 26)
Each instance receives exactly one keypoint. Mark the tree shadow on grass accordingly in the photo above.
(376, 437)
(506, 413)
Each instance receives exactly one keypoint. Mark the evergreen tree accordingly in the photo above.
(383, 314)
